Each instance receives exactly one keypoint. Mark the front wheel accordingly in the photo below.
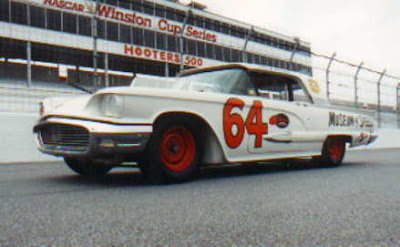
(87, 167)
(333, 152)
(172, 153)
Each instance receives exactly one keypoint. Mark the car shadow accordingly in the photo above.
(120, 177)
(117, 177)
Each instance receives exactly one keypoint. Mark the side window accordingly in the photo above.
(299, 94)
(278, 87)
(243, 85)
(271, 87)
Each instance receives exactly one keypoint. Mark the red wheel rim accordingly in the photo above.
(336, 149)
(177, 148)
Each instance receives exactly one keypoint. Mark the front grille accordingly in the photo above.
(64, 137)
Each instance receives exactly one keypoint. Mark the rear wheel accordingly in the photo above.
(87, 167)
(172, 153)
(333, 152)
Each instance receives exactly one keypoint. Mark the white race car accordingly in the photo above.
(232, 113)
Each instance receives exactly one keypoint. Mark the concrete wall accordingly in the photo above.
(18, 145)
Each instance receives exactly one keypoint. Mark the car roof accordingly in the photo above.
(245, 66)
(317, 96)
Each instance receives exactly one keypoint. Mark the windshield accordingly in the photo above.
(233, 81)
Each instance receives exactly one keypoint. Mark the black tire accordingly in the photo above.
(172, 154)
(333, 152)
(87, 167)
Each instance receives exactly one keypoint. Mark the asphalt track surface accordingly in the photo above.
(356, 204)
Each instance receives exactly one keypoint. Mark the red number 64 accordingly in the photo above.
(254, 124)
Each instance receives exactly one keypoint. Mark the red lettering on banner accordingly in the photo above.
(138, 51)
(105, 10)
(65, 5)
(147, 52)
(131, 17)
(169, 57)
(155, 54)
(128, 49)
(164, 25)
(134, 18)
(200, 34)
(177, 58)
(161, 55)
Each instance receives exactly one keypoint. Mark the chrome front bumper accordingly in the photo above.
(86, 138)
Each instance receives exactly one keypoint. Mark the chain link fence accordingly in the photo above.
(356, 87)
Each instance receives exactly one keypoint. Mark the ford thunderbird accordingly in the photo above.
(217, 115)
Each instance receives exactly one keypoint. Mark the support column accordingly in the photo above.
(295, 49)
(244, 50)
(188, 13)
(28, 64)
(95, 55)
(106, 75)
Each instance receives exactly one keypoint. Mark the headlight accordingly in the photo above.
(111, 105)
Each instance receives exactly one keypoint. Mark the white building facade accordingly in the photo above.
(139, 36)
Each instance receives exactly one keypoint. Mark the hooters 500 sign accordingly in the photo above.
(164, 56)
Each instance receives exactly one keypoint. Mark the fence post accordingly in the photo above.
(327, 73)
(379, 97)
(356, 84)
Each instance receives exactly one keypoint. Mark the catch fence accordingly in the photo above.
(359, 88)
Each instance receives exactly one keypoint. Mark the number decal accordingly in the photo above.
(256, 127)
(233, 140)
(254, 124)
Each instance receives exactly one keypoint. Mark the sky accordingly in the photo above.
(356, 30)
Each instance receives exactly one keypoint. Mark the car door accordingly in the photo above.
(290, 117)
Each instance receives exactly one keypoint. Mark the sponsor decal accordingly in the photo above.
(235, 126)
(314, 86)
(164, 56)
(340, 119)
(131, 17)
(280, 120)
